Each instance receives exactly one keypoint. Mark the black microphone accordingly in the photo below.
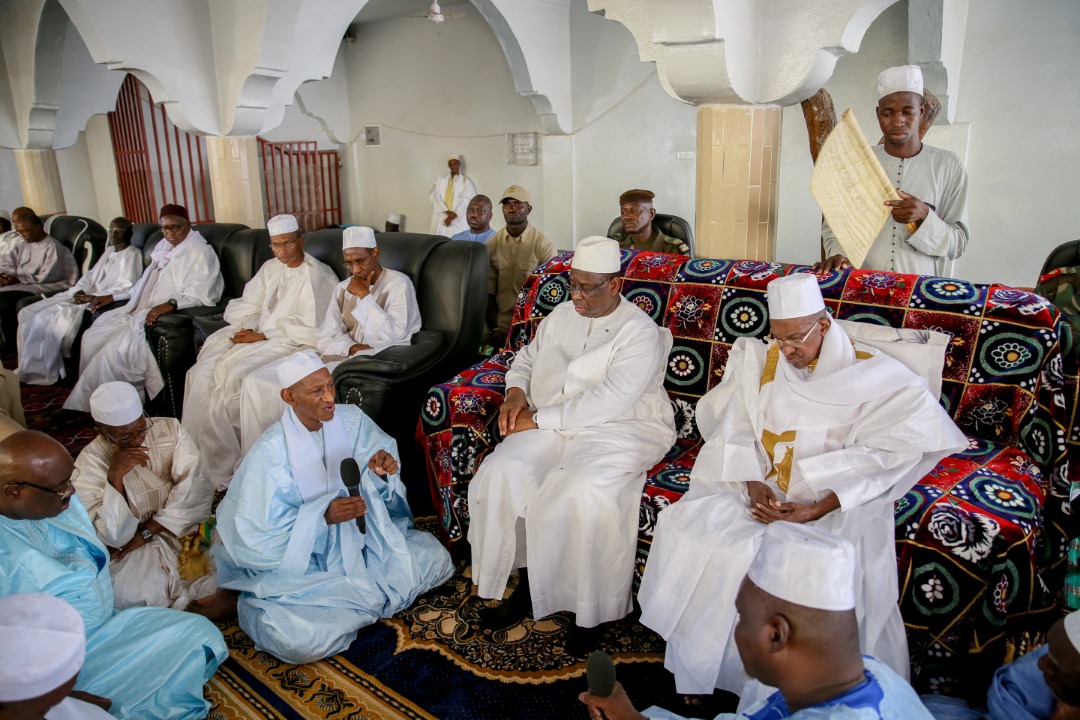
(350, 476)
(600, 672)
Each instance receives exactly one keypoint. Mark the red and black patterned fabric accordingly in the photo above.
(981, 541)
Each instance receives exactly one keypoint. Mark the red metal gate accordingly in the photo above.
(303, 181)
(156, 162)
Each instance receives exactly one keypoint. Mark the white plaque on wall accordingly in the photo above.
(371, 134)
(521, 149)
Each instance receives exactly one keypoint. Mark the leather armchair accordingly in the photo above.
(671, 225)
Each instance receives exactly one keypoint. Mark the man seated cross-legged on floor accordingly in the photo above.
(308, 576)
(585, 417)
(142, 484)
(150, 662)
(809, 428)
(798, 631)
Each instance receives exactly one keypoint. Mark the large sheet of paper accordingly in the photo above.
(851, 187)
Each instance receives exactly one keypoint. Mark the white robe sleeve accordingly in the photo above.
(520, 373)
(189, 500)
(310, 299)
(108, 508)
(944, 232)
(464, 196)
(392, 325)
(438, 194)
(245, 311)
(202, 280)
(40, 273)
(625, 381)
(331, 338)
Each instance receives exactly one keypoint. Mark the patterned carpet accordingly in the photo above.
(429, 661)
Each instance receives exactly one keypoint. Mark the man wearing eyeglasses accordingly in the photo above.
(585, 416)
(141, 483)
(150, 662)
(513, 253)
(48, 327)
(276, 316)
(184, 272)
(807, 428)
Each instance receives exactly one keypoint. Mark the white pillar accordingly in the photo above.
(236, 180)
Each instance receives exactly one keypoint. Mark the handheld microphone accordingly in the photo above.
(600, 672)
(350, 476)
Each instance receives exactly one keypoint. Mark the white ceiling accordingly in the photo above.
(383, 9)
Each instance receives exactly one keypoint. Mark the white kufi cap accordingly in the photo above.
(357, 237)
(5, 214)
(115, 404)
(394, 219)
(453, 157)
(298, 366)
(44, 645)
(281, 224)
(794, 296)
(597, 254)
(1072, 628)
(805, 566)
(905, 78)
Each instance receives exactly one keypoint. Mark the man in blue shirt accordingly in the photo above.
(478, 215)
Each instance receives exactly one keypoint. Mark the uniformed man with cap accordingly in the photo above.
(513, 253)
(585, 416)
(637, 212)
(808, 428)
(931, 182)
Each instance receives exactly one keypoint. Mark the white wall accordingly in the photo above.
(1017, 94)
(11, 195)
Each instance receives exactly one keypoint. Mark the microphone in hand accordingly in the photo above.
(350, 477)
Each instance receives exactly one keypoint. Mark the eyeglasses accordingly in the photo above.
(66, 489)
(173, 228)
(793, 343)
(129, 436)
(583, 291)
(284, 244)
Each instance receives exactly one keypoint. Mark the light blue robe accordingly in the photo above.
(306, 587)
(884, 695)
(1018, 692)
(151, 662)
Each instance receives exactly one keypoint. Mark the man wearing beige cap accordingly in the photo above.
(277, 315)
(931, 182)
(585, 416)
(809, 428)
(798, 636)
(449, 197)
(513, 253)
(637, 213)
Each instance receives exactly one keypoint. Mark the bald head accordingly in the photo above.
(35, 476)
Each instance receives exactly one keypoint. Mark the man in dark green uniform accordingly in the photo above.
(637, 213)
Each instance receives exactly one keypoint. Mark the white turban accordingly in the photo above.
(1072, 628)
(44, 645)
(394, 219)
(596, 254)
(905, 78)
(794, 296)
(298, 366)
(805, 566)
(357, 237)
(281, 224)
(115, 404)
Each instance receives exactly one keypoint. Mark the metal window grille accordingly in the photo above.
(303, 181)
(156, 162)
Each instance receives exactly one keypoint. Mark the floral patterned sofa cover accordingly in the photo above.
(981, 540)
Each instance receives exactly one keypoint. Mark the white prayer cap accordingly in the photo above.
(281, 224)
(453, 157)
(5, 214)
(357, 237)
(44, 645)
(115, 404)
(596, 254)
(1072, 628)
(794, 296)
(298, 366)
(394, 219)
(805, 566)
(905, 78)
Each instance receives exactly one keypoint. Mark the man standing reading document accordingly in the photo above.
(931, 182)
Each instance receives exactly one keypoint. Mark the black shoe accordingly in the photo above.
(510, 611)
(582, 641)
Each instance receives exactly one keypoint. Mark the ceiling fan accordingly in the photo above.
(436, 15)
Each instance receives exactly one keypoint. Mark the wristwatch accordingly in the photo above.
(173, 303)
(146, 535)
